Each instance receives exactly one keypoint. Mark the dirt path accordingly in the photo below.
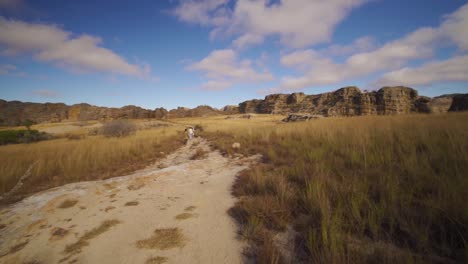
(174, 211)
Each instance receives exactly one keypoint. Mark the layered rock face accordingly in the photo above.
(15, 112)
(199, 111)
(347, 101)
(12, 113)
(459, 103)
(231, 109)
(350, 101)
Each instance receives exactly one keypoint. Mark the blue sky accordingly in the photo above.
(219, 52)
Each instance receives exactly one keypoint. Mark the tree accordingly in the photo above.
(28, 123)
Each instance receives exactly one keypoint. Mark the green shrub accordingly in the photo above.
(21, 136)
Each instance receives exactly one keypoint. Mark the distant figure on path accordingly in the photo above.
(190, 132)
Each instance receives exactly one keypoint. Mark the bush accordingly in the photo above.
(118, 128)
(28, 123)
(198, 128)
(21, 136)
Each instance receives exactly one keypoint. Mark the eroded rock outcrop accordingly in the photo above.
(459, 103)
(199, 111)
(15, 112)
(351, 101)
(347, 101)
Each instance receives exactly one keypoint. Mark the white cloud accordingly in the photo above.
(450, 70)
(203, 12)
(320, 69)
(455, 27)
(52, 44)
(298, 23)
(223, 68)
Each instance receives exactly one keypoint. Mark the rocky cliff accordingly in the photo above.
(351, 101)
(15, 112)
(199, 111)
(347, 101)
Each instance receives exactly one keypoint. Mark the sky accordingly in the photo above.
(170, 53)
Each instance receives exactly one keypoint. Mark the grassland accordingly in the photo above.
(354, 190)
(60, 161)
(377, 189)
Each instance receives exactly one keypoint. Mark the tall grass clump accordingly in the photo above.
(59, 161)
(364, 189)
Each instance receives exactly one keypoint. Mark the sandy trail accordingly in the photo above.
(174, 211)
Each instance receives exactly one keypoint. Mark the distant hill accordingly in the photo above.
(347, 101)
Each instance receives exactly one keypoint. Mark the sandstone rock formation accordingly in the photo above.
(231, 109)
(460, 103)
(347, 101)
(15, 112)
(351, 101)
(199, 111)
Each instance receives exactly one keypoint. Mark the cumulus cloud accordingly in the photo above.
(223, 68)
(451, 70)
(298, 23)
(319, 68)
(51, 44)
(45, 93)
(203, 12)
(455, 27)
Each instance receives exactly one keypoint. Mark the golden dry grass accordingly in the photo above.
(163, 239)
(61, 161)
(399, 180)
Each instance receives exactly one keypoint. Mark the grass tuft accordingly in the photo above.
(163, 239)
(132, 203)
(76, 247)
(184, 216)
